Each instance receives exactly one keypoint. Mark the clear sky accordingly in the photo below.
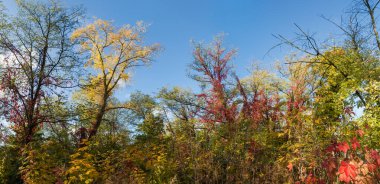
(248, 24)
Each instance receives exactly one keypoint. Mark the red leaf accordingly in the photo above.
(347, 172)
(375, 156)
(371, 167)
(360, 132)
(343, 147)
(355, 143)
(310, 179)
(333, 147)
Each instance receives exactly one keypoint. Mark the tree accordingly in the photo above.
(38, 59)
(112, 52)
(212, 63)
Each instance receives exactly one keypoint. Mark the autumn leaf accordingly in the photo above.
(371, 167)
(344, 147)
(332, 148)
(375, 156)
(310, 179)
(355, 143)
(360, 132)
(290, 166)
(347, 172)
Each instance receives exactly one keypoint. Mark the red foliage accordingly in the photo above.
(214, 69)
(296, 100)
(310, 179)
(371, 167)
(353, 168)
(21, 103)
(355, 144)
(347, 172)
(360, 133)
(344, 147)
(221, 104)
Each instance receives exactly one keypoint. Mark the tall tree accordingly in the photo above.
(37, 59)
(212, 64)
(112, 52)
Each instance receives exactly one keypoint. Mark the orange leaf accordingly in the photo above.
(311, 179)
(290, 166)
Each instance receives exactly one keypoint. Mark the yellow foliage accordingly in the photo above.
(82, 169)
(112, 52)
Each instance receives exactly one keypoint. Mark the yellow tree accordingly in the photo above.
(112, 52)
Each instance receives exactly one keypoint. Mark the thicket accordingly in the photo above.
(315, 120)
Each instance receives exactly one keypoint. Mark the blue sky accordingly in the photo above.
(248, 24)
